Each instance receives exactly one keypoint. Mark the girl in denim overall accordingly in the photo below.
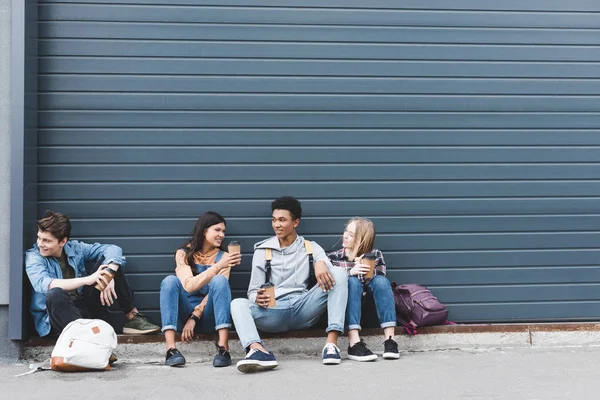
(197, 297)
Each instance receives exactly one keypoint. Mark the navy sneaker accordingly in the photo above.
(331, 354)
(174, 358)
(222, 358)
(257, 361)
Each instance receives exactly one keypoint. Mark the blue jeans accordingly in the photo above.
(379, 287)
(292, 311)
(176, 305)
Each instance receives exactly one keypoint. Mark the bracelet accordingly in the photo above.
(196, 319)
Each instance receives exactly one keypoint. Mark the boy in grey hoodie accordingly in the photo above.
(297, 305)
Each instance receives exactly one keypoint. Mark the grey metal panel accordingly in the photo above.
(320, 172)
(331, 190)
(174, 208)
(351, 85)
(271, 67)
(313, 51)
(509, 5)
(316, 34)
(467, 131)
(318, 102)
(313, 119)
(410, 16)
(490, 276)
(317, 137)
(274, 154)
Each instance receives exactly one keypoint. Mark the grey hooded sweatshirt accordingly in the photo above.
(289, 266)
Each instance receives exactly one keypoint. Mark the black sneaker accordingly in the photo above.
(174, 358)
(390, 349)
(360, 352)
(222, 358)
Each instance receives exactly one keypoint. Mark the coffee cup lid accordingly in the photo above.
(266, 285)
(234, 243)
(370, 256)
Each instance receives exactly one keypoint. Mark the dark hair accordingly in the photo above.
(195, 244)
(56, 223)
(288, 203)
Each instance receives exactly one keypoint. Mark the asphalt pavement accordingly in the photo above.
(531, 373)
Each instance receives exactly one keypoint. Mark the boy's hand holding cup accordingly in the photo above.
(265, 296)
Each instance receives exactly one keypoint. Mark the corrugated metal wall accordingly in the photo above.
(467, 130)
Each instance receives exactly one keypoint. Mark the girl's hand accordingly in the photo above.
(188, 331)
(222, 262)
(229, 260)
(359, 268)
(234, 259)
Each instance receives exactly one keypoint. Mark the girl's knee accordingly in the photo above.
(380, 282)
(170, 282)
(354, 282)
(219, 282)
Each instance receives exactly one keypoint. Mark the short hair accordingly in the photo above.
(56, 223)
(290, 204)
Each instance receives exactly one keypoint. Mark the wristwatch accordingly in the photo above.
(196, 319)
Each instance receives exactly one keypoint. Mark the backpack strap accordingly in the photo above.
(309, 253)
(312, 279)
(268, 258)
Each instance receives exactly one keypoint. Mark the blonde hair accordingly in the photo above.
(364, 236)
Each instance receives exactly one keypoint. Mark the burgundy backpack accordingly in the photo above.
(417, 306)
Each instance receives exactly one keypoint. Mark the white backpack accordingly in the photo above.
(84, 344)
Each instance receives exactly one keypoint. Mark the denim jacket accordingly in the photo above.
(42, 270)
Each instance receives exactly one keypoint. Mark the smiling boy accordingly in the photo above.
(63, 291)
(297, 305)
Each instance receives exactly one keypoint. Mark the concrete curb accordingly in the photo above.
(151, 349)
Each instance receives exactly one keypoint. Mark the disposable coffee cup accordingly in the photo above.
(234, 247)
(369, 259)
(270, 290)
(101, 286)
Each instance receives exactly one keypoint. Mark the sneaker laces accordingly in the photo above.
(360, 344)
(331, 348)
(171, 351)
(251, 352)
(140, 315)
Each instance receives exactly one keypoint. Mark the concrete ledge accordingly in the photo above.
(151, 348)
